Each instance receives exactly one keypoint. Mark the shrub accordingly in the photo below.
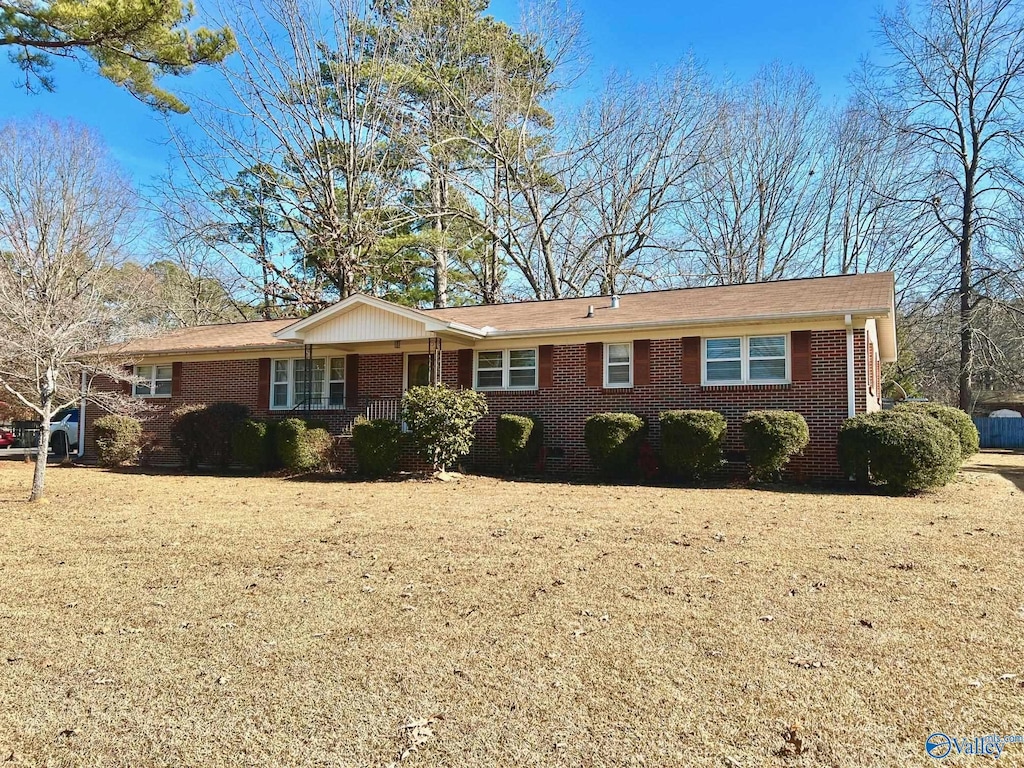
(314, 450)
(902, 449)
(377, 445)
(520, 439)
(613, 442)
(118, 440)
(253, 444)
(287, 433)
(187, 434)
(204, 433)
(441, 420)
(691, 442)
(956, 420)
(771, 438)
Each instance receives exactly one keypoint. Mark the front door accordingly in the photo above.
(417, 371)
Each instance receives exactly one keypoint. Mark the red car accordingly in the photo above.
(6, 438)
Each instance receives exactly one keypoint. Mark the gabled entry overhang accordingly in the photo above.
(363, 319)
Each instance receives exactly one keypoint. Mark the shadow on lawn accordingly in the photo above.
(1015, 474)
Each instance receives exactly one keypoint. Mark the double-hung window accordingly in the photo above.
(746, 360)
(506, 369)
(618, 365)
(153, 380)
(320, 382)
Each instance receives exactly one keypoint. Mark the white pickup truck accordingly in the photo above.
(64, 432)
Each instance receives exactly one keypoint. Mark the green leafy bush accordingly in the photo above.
(441, 421)
(691, 442)
(958, 421)
(118, 440)
(203, 434)
(253, 444)
(300, 448)
(902, 449)
(771, 439)
(377, 445)
(520, 439)
(613, 442)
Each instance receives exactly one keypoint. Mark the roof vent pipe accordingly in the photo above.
(615, 301)
(590, 310)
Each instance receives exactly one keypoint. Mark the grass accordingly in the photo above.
(165, 621)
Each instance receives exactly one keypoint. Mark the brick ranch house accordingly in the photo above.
(812, 345)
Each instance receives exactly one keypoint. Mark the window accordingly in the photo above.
(320, 380)
(506, 369)
(154, 380)
(618, 365)
(746, 360)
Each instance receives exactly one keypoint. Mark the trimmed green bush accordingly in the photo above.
(691, 442)
(300, 448)
(204, 434)
(902, 449)
(377, 445)
(771, 439)
(613, 442)
(958, 421)
(287, 433)
(118, 440)
(441, 420)
(253, 444)
(519, 439)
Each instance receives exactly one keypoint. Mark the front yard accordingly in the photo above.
(165, 620)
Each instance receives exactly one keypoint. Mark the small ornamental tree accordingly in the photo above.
(441, 420)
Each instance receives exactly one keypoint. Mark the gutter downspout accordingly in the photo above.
(81, 418)
(851, 390)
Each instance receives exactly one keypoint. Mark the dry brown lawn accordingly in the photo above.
(203, 621)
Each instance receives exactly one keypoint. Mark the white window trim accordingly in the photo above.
(291, 405)
(618, 385)
(152, 381)
(745, 381)
(506, 357)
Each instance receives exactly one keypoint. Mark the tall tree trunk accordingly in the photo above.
(438, 200)
(964, 290)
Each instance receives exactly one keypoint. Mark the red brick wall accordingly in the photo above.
(564, 407)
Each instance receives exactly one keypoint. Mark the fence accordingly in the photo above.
(1001, 433)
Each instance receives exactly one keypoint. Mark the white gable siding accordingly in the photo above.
(365, 323)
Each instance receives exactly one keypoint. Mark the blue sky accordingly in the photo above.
(732, 37)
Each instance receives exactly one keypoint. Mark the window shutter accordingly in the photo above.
(176, 379)
(466, 368)
(351, 381)
(691, 360)
(263, 393)
(595, 364)
(800, 351)
(641, 362)
(545, 373)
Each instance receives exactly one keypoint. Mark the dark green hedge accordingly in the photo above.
(902, 449)
(377, 445)
(771, 439)
(254, 445)
(958, 421)
(520, 439)
(204, 434)
(691, 442)
(613, 442)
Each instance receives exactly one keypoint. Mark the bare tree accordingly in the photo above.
(65, 217)
(955, 82)
(306, 142)
(757, 205)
